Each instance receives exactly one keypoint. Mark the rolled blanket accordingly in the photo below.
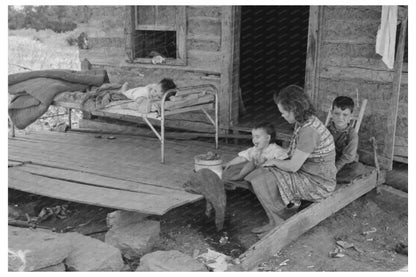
(34, 91)
(94, 77)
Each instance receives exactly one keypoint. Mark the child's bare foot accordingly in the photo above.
(124, 87)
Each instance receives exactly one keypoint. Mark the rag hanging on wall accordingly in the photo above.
(386, 35)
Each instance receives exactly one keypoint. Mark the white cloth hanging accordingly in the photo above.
(386, 35)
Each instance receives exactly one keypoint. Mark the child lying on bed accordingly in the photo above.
(263, 136)
(150, 92)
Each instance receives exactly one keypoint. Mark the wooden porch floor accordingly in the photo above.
(123, 173)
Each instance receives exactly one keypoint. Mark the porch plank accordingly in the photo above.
(301, 222)
(157, 204)
(79, 167)
(102, 181)
(124, 158)
(107, 168)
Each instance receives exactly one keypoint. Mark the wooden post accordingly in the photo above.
(181, 34)
(235, 93)
(226, 85)
(394, 104)
(312, 53)
(129, 26)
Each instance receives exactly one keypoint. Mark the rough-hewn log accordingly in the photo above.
(352, 13)
(203, 59)
(359, 32)
(210, 26)
(332, 72)
(301, 222)
(209, 11)
(205, 43)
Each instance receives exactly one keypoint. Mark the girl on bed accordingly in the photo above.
(151, 91)
(308, 174)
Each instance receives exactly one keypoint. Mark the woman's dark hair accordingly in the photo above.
(268, 128)
(167, 84)
(293, 98)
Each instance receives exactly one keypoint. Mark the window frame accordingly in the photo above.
(180, 28)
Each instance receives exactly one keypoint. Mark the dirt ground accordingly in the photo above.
(188, 230)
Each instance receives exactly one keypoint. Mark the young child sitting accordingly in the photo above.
(265, 148)
(151, 91)
(346, 140)
(345, 137)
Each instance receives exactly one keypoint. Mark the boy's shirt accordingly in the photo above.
(346, 144)
(137, 94)
(272, 151)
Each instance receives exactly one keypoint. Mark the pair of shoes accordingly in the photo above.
(262, 229)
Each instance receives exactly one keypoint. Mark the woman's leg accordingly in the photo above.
(230, 180)
(265, 187)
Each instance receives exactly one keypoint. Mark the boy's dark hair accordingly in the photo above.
(167, 84)
(269, 128)
(343, 102)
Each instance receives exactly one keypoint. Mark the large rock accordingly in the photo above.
(30, 250)
(89, 254)
(123, 218)
(172, 260)
(134, 240)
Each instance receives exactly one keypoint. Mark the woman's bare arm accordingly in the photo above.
(291, 165)
(236, 160)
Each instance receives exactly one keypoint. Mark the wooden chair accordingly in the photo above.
(356, 118)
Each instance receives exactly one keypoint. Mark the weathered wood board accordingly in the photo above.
(122, 173)
(139, 201)
(131, 158)
(301, 222)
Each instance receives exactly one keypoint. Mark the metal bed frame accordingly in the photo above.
(163, 112)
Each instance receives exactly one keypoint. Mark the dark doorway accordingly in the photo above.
(272, 55)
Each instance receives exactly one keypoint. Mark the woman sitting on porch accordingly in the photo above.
(308, 174)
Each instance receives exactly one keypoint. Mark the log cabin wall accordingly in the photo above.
(348, 65)
(206, 55)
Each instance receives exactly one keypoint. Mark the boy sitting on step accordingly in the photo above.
(345, 138)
